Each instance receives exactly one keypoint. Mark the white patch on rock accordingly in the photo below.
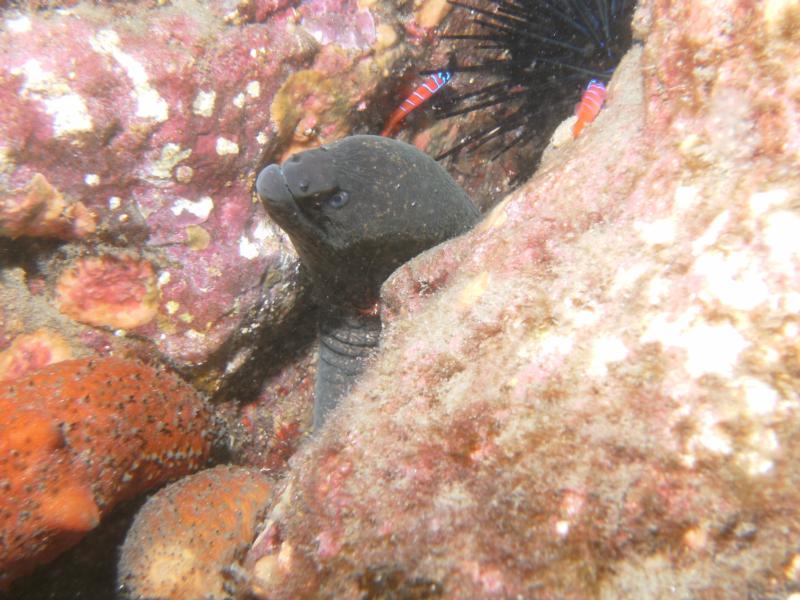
(781, 236)
(21, 24)
(149, 104)
(68, 109)
(710, 436)
(760, 398)
(585, 318)
(262, 231)
(225, 146)
(754, 461)
(203, 105)
(685, 198)
(247, 248)
(606, 350)
(114, 202)
(91, 179)
(733, 280)
(262, 138)
(39, 81)
(660, 328)
(238, 100)
(658, 290)
(163, 278)
(562, 528)
(555, 344)
(710, 349)
(763, 202)
(626, 277)
(70, 114)
(791, 302)
(660, 232)
(200, 208)
(253, 89)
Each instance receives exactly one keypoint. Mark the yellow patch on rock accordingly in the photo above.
(473, 290)
(430, 13)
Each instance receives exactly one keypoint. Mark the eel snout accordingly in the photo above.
(304, 175)
(272, 187)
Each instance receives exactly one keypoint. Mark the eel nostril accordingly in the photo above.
(303, 185)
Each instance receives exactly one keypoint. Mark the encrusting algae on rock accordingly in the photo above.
(110, 291)
(40, 210)
(30, 352)
(80, 436)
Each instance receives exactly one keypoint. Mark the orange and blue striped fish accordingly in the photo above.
(587, 109)
(418, 97)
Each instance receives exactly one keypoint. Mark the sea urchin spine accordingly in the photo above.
(540, 54)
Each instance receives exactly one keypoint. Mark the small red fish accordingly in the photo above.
(419, 96)
(587, 109)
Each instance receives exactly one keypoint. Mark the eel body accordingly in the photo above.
(356, 210)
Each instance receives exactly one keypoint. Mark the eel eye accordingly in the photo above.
(339, 199)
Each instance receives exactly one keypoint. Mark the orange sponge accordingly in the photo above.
(79, 436)
(185, 537)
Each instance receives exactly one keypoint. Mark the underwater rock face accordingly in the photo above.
(595, 392)
(141, 124)
(147, 129)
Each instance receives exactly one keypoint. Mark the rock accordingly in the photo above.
(594, 393)
(149, 135)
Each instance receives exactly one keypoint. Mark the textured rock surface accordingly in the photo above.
(148, 135)
(594, 394)
(189, 533)
(129, 135)
(80, 436)
(110, 291)
(266, 430)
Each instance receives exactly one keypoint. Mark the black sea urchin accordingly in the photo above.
(536, 57)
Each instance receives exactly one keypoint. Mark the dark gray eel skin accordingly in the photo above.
(356, 210)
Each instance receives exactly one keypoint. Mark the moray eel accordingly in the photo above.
(355, 210)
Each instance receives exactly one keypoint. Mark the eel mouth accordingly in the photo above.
(302, 177)
(291, 192)
(272, 187)
(281, 201)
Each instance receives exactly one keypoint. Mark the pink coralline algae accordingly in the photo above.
(594, 393)
(109, 291)
(149, 134)
(325, 25)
